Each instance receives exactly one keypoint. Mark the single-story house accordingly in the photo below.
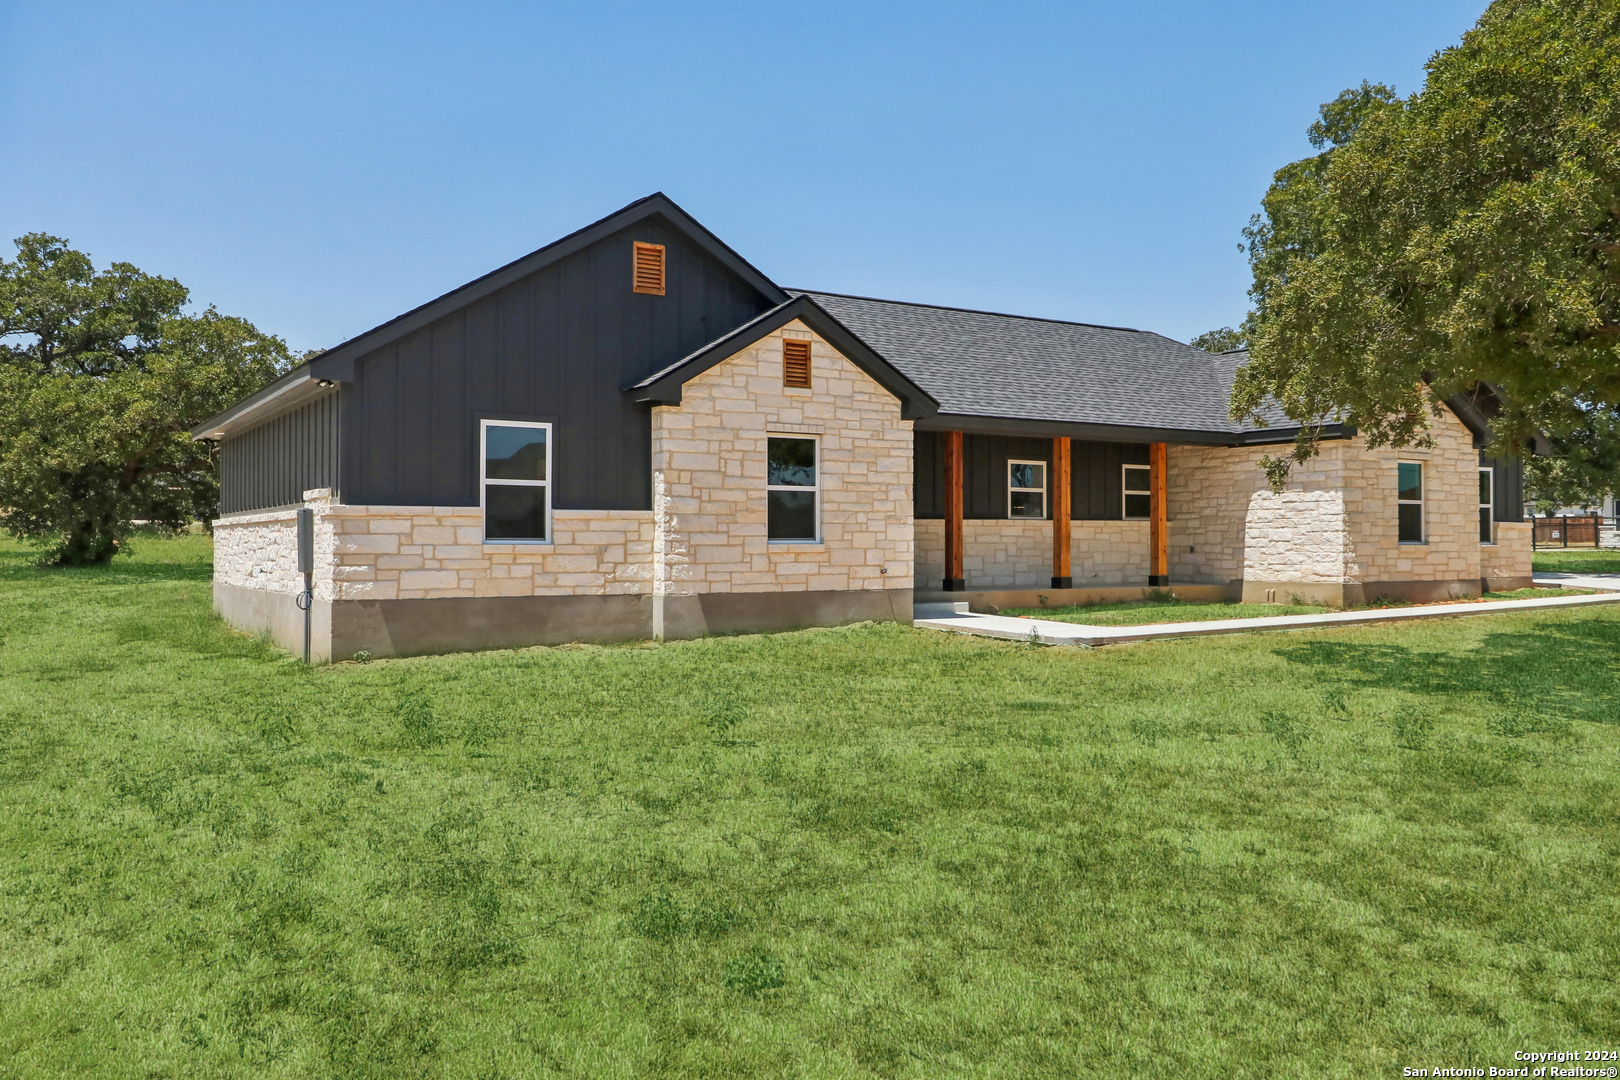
(633, 433)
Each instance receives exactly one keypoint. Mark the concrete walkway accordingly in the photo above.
(1050, 632)
(1550, 580)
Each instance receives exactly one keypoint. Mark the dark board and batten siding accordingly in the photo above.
(1096, 486)
(275, 463)
(558, 345)
(1507, 486)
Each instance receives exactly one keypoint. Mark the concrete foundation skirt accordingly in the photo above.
(467, 624)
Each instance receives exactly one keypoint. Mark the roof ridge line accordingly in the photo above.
(968, 311)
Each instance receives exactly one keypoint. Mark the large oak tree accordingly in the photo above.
(1466, 235)
(102, 375)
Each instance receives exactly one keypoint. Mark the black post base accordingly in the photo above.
(955, 584)
(1158, 580)
(1063, 583)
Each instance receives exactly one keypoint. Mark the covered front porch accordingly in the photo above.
(1009, 518)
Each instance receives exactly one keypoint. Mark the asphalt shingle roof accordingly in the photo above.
(977, 363)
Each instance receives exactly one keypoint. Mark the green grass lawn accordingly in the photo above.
(1144, 612)
(865, 852)
(1578, 560)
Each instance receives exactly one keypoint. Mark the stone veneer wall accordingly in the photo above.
(999, 554)
(428, 552)
(1296, 536)
(1506, 563)
(424, 552)
(1339, 510)
(709, 478)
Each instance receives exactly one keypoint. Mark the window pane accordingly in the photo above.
(514, 453)
(1484, 524)
(514, 513)
(1138, 506)
(791, 462)
(1027, 475)
(1411, 480)
(1139, 480)
(1411, 522)
(1028, 504)
(791, 515)
(1484, 488)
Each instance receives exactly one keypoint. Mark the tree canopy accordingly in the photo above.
(1467, 234)
(102, 376)
(1223, 340)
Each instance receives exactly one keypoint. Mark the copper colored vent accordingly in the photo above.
(647, 274)
(796, 363)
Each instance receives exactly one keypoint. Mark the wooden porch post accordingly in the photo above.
(1062, 575)
(954, 581)
(1159, 530)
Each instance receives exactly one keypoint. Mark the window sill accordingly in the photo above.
(519, 543)
(1412, 543)
(796, 545)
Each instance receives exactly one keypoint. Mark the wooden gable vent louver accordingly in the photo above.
(647, 271)
(795, 363)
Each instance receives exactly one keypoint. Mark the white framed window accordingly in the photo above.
(515, 481)
(1138, 487)
(1409, 501)
(793, 489)
(1487, 504)
(1026, 489)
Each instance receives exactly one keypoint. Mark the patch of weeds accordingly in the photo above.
(478, 733)
(470, 937)
(774, 769)
(884, 819)
(722, 718)
(755, 973)
(1412, 725)
(1336, 701)
(653, 802)
(1522, 722)
(418, 726)
(1148, 732)
(300, 859)
(275, 726)
(967, 783)
(658, 917)
(1291, 734)
(362, 656)
(715, 918)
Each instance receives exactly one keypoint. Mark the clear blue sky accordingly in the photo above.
(320, 168)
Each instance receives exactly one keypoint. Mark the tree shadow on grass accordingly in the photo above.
(1569, 668)
(21, 566)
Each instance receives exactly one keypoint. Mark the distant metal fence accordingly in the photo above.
(1567, 531)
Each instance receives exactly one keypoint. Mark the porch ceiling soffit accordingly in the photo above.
(1086, 432)
(664, 387)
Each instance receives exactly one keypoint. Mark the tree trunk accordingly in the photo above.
(91, 543)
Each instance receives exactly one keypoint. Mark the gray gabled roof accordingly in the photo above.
(987, 365)
(664, 387)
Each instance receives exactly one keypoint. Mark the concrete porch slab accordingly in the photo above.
(992, 601)
(1049, 632)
